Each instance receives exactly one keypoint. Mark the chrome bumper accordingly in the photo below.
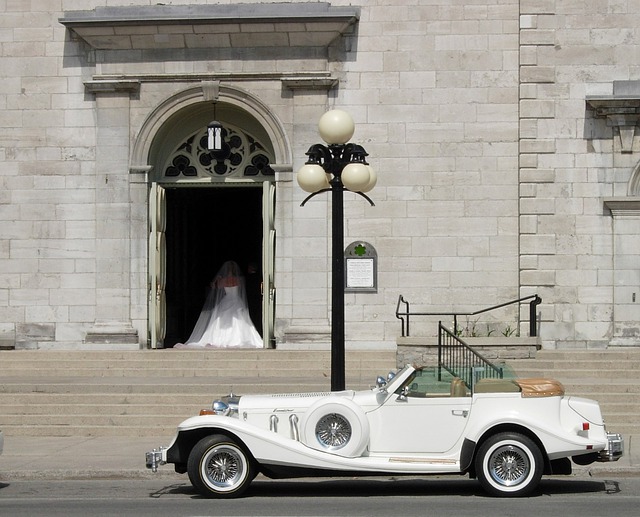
(615, 448)
(155, 458)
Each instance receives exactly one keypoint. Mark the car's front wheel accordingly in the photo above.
(509, 465)
(220, 467)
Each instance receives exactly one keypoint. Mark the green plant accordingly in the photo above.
(509, 331)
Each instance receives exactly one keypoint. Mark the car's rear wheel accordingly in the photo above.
(509, 465)
(220, 467)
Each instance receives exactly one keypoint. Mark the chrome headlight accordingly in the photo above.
(226, 406)
(220, 408)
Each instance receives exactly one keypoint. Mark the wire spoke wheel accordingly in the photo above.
(223, 466)
(333, 431)
(509, 465)
(220, 467)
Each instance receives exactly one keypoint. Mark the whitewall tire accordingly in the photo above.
(509, 465)
(220, 467)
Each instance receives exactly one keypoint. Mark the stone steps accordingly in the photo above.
(144, 393)
(609, 376)
(216, 387)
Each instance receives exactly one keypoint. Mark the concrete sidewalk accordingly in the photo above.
(83, 457)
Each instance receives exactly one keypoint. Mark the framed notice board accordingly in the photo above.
(361, 268)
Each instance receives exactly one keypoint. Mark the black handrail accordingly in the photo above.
(460, 360)
(533, 327)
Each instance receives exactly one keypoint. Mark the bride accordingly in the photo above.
(224, 321)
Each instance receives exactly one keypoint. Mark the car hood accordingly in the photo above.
(288, 400)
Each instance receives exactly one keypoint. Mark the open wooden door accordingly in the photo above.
(157, 265)
(268, 259)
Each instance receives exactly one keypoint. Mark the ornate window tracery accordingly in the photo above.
(241, 155)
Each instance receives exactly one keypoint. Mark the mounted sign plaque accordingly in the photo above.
(361, 268)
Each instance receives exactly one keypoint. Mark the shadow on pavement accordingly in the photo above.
(393, 487)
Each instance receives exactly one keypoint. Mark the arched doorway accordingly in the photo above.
(205, 209)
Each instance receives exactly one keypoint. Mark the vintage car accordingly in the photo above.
(505, 432)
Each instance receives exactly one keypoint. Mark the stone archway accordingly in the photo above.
(169, 125)
(154, 128)
(634, 182)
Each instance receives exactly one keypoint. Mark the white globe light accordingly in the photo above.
(312, 178)
(373, 179)
(356, 176)
(336, 127)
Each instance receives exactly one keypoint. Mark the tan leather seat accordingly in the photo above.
(458, 388)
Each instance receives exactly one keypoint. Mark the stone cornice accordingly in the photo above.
(613, 105)
(235, 25)
(320, 80)
(621, 111)
(623, 206)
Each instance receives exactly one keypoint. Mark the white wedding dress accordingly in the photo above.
(224, 321)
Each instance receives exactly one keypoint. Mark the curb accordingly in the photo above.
(86, 474)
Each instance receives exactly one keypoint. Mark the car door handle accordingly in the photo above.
(460, 412)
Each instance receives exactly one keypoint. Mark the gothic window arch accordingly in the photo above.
(241, 156)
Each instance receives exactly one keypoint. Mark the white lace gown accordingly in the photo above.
(226, 324)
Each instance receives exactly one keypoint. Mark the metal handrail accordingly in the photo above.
(533, 327)
(460, 360)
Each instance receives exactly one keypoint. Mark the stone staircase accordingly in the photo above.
(609, 376)
(148, 392)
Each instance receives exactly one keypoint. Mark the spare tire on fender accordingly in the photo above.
(336, 425)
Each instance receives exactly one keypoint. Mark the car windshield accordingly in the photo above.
(427, 380)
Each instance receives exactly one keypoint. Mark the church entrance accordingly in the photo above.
(207, 207)
(196, 229)
(205, 228)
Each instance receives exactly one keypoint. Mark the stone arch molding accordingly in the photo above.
(237, 97)
(634, 182)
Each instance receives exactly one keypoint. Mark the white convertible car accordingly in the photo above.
(506, 433)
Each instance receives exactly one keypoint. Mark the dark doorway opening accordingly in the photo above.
(205, 228)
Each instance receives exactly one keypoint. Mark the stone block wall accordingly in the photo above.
(493, 169)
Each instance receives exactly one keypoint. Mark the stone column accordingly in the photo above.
(113, 325)
(305, 300)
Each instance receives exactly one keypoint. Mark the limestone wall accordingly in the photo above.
(493, 168)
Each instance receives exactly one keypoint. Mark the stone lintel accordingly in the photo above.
(112, 86)
(309, 83)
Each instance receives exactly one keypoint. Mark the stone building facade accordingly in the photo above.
(502, 132)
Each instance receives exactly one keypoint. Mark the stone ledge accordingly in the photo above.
(424, 350)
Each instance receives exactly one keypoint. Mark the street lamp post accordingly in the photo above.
(336, 167)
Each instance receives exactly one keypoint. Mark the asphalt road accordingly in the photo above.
(441, 497)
